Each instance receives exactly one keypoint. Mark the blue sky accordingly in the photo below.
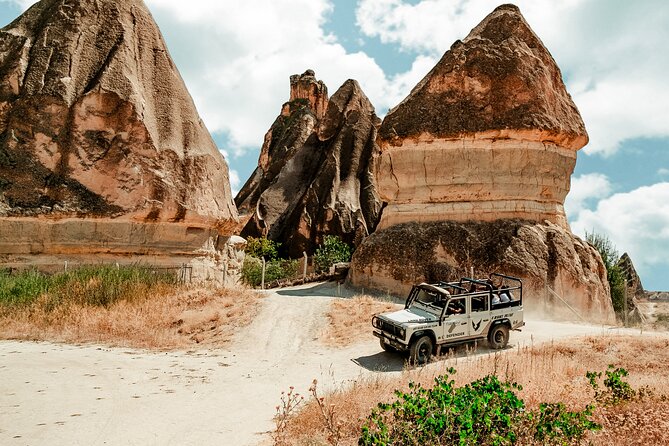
(236, 58)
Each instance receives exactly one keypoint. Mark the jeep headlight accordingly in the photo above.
(403, 333)
(376, 322)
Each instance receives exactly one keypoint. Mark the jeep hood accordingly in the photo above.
(408, 317)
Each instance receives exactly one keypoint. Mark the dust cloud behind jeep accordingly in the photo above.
(448, 313)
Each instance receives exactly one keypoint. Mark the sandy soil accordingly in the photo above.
(55, 394)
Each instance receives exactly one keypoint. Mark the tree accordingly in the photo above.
(614, 273)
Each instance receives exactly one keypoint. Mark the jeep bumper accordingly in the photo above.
(390, 340)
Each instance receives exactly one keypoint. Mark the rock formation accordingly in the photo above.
(475, 165)
(489, 133)
(101, 147)
(314, 173)
(634, 286)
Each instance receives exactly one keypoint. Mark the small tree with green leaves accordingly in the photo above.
(262, 247)
(614, 273)
(333, 250)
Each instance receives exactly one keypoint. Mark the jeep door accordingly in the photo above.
(455, 323)
(479, 316)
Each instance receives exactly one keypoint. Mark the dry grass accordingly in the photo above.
(548, 373)
(350, 320)
(169, 317)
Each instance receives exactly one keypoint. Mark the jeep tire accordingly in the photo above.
(387, 347)
(421, 351)
(498, 337)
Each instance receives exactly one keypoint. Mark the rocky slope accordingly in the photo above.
(542, 255)
(489, 133)
(314, 173)
(475, 165)
(97, 128)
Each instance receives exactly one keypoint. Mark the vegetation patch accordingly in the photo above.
(276, 269)
(533, 395)
(125, 306)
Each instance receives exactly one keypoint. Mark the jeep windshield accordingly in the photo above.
(427, 297)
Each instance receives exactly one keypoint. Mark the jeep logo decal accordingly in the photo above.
(476, 325)
(451, 328)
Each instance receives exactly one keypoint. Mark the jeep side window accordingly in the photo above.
(480, 303)
(456, 306)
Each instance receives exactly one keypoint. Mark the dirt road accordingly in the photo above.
(53, 394)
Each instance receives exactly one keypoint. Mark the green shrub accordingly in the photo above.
(616, 389)
(262, 247)
(274, 270)
(614, 273)
(554, 424)
(484, 412)
(333, 250)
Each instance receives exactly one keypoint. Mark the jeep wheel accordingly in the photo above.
(421, 351)
(499, 337)
(387, 347)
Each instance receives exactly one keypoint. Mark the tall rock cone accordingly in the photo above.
(475, 165)
(96, 123)
(314, 175)
(489, 133)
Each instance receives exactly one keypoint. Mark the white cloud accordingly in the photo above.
(613, 55)
(237, 60)
(586, 189)
(663, 172)
(24, 4)
(235, 182)
(637, 222)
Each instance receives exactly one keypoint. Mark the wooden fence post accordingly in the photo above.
(304, 270)
(262, 280)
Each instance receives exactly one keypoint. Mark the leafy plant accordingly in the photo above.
(333, 250)
(614, 273)
(274, 270)
(484, 412)
(616, 388)
(262, 247)
(554, 424)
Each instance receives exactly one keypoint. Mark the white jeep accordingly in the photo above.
(447, 313)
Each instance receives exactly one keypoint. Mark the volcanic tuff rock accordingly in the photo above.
(489, 133)
(100, 139)
(541, 254)
(95, 119)
(634, 286)
(314, 173)
(475, 164)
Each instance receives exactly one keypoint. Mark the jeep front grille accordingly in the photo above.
(390, 328)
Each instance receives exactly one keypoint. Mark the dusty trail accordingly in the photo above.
(54, 394)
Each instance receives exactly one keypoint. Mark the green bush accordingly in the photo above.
(616, 389)
(262, 247)
(554, 424)
(614, 273)
(274, 270)
(333, 250)
(484, 412)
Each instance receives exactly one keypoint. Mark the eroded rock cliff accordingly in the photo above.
(543, 255)
(314, 174)
(101, 147)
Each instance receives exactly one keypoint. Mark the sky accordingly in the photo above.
(236, 59)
